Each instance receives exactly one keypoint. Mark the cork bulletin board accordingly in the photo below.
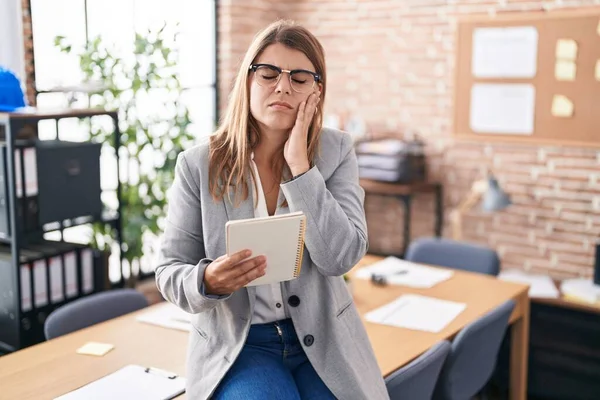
(529, 77)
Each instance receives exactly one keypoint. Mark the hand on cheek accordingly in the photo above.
(296, 147)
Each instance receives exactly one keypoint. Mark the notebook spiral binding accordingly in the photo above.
(300, 251)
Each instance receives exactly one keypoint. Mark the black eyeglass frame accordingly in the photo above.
(254, 67)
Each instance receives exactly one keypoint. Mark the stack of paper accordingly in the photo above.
(539, 285)
(167, 315)
(400, 272)
(417, 312)
(581, 289)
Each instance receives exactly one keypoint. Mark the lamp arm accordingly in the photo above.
(474, 195)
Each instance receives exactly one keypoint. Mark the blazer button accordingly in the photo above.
(309, 340)
(294, 301)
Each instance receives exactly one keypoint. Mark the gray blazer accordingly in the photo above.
(326, 320)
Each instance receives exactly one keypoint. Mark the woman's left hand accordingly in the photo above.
(296, 147)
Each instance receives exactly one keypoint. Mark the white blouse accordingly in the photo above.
(269, 305)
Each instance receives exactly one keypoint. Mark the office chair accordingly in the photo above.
(454, 254)
(92, 309)
(473, 355)
(417, 379)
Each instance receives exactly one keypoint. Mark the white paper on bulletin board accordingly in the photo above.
(502, 108)
(505, 52)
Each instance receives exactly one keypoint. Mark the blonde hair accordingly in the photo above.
(233, 142)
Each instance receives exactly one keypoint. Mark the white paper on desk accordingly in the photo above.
(412, 311)
(540, 286)
(502, 108)
(130, 382)
(167, 315)
(405, 273)
(582, 289)
(505, 52)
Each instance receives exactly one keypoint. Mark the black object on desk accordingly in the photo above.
(405, 193)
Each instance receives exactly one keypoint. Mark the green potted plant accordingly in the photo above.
(150, 140)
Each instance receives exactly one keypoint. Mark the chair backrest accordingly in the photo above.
(417, 379)
(454, 254)
(92, 309)
(473, 355)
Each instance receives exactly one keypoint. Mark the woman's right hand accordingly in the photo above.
(227, 274)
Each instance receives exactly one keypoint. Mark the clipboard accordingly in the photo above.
(131, 382)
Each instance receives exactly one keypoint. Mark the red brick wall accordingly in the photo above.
(238, 22)
(392, 63)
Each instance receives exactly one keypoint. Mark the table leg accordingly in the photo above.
(439, 210)
(407, 200)
(519, 351)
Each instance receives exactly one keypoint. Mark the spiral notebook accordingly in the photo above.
(280, 238)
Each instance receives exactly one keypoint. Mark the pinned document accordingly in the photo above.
(566, 49)
(562, 106)
(417, 312)
(597, 70)
(502, 108)
(508, 52)
(565, 70)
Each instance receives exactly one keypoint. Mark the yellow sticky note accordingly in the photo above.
(562, 106)
(565, 70)
(598, 70)
(598, 29)
(566, 49)
(95, 349)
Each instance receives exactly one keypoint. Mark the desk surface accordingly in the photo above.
(481, 293)
(397, 189)
(53, 368)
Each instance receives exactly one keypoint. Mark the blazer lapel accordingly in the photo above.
(244, 210)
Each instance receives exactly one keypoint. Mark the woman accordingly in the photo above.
(300, 339)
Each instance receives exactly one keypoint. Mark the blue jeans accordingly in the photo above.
(272, 367)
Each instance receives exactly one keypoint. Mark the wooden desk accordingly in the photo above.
(395, 347)
(405, 193)
(53, 368)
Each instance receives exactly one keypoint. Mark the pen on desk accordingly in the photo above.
(381, 279)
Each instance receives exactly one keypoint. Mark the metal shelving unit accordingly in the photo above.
(19, 328)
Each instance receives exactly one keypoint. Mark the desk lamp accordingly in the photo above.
(494, 199)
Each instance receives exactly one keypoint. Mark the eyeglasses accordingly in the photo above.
(301, 80)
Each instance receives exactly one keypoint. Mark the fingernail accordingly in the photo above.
(262, 259)
(248, 253)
